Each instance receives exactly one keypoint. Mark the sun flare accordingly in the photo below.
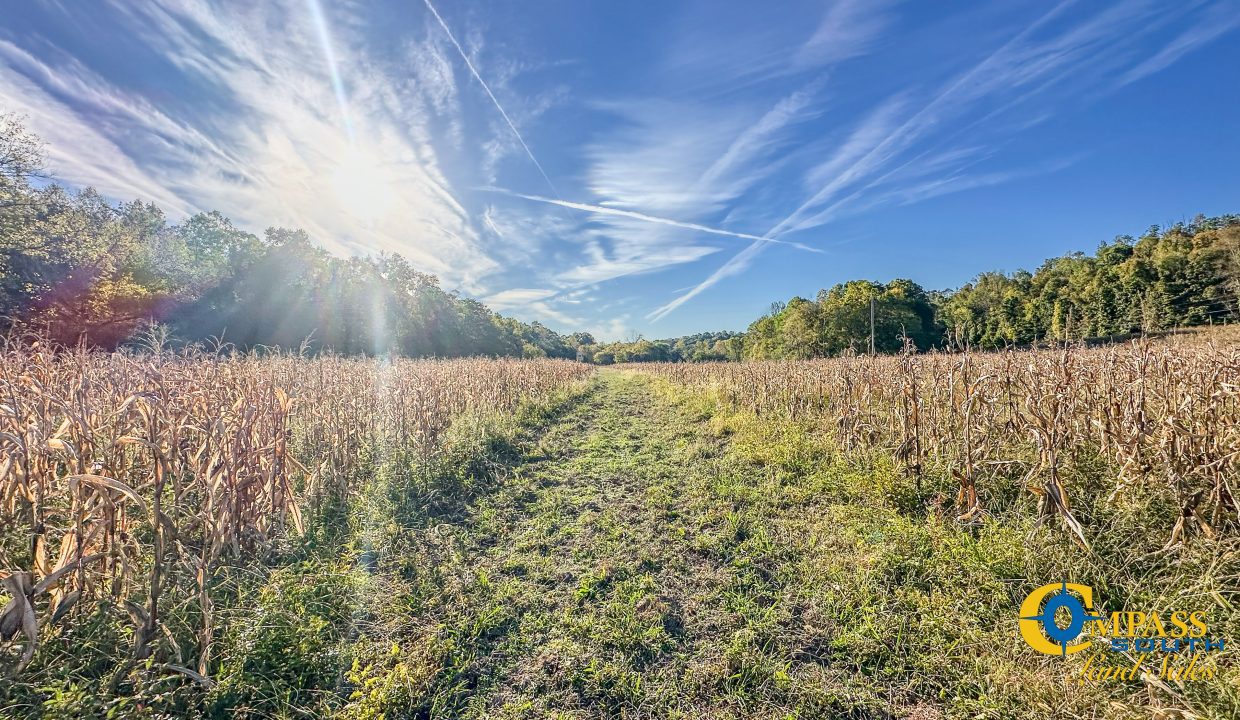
(363, 187)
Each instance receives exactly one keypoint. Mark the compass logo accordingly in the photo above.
(1038, 624)
(1172, 644)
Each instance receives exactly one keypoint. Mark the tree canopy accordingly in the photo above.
(1185, 275)
(700, 347)
(838, 321)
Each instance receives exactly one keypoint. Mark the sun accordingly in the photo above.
(363, 186)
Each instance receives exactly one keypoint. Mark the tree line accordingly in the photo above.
(700, 347)
(1182, 276)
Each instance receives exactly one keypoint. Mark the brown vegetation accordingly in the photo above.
(1165, 415)
(123, 475)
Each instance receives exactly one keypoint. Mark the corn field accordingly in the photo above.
(1164, 417)
(122, 475)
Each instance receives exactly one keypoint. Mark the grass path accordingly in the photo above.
(600, 579)
(583, 595)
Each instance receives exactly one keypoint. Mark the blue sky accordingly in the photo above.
(655, 168)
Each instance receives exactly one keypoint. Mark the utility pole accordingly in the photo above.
(871, 327)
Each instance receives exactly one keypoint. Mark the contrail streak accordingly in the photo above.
(487, 88)
(604, 210)
(735, 265)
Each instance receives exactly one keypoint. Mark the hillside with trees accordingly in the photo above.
(838, 321)
(1184, 276)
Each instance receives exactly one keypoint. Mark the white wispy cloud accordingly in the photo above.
(1215, 21)
(77, 148)
(524, 240)
(737, 264)
(518, 296)
(864, 171)
(667, 163)
(624, 260)
(756, 141)
(848, 29)
(678, 161)
(750, 151)
(673, 162)
(531, 301)
(617, 328)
